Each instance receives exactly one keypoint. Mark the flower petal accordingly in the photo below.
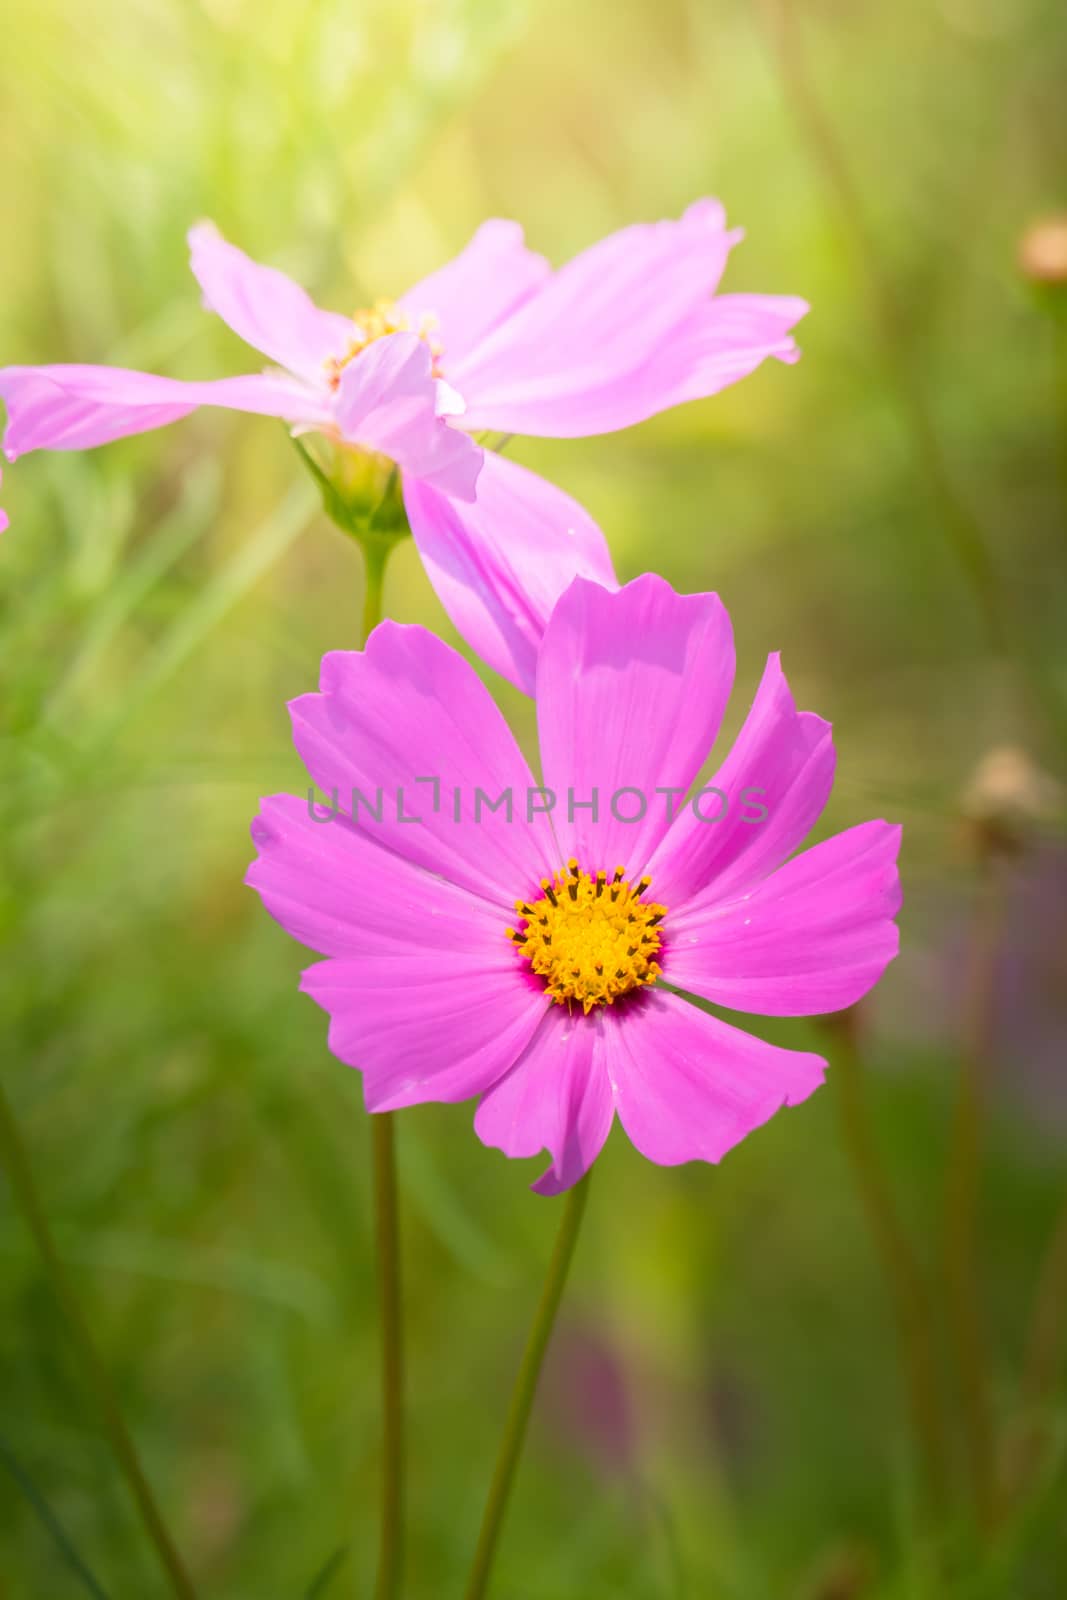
(500, 565)
(631, 688)
(813, 937)
(265, 308)
(689, 1087)
(339, 891)
(720, 343)
(786, 757)
(557, 1097)
(714, 346)
(622, 331)
(489, 279)
(75, 407)
(408, 716)
(388, 401)
(435, 1026)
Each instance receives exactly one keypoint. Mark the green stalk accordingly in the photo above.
(525, 1388)
(960, 527)
(387, 1232)
(1059, 337)
(50, 1522)
(362, 493)
(376, 552)
(966, 1323)
(375, 557)
(907, 1289)
(20, 1175)
(1045, 1347)
(1009, 638)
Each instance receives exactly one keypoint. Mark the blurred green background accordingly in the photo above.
(723, 1414)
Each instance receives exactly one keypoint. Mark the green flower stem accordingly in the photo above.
(525, 1388)
(50, 1522)
(375, 558)
(391, 1538)
(20, 1175)
(1045, 1346)
(1008, 634)
(961, 1199)
(908, 1292)
(1059, 335)
(784, 25)
(376, 552)
(362, 493)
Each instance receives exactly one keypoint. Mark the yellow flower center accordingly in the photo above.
(385, 317)
(592, 939)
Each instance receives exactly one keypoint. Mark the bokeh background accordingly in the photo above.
(724, 1413)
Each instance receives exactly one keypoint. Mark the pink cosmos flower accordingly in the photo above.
(542, 957)
(494, 340)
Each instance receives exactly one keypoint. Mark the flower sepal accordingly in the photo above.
(362, 492)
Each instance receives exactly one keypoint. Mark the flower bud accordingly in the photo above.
(361, 490)
(1007, 798)
(1043, 251)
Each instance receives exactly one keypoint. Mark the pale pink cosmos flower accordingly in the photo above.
(542, 961)
(492, 341)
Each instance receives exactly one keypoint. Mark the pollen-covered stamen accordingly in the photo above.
(591, 940)
(383, 318)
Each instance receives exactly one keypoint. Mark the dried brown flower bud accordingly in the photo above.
(1006, 797)
(1043, 250)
